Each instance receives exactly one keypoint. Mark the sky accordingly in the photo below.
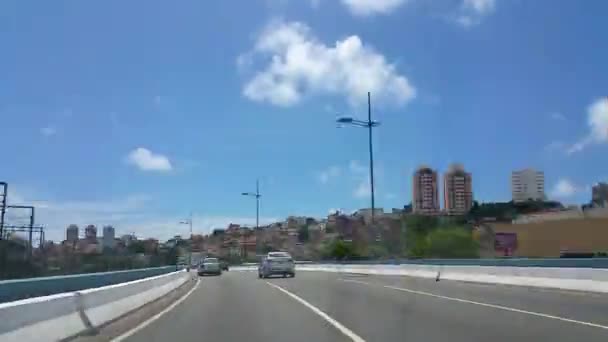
(138, 113)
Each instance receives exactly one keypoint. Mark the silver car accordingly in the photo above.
(209, 266)
(277, 263)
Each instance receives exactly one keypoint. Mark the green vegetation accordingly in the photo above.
(451, 242)
(506, 211)
(429, 237)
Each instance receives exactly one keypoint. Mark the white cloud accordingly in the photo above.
(145, 160)
(356, 167)
(362, 190)
(472, 11)
(564, 188)
(597, 120)
(480, 6)
(328, 174)
(360, 174)
(48, 131)
(371, 7)
(300, 65)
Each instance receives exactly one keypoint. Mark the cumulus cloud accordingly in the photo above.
(597, 120)
(472, 11)
(145, 160)
(371, 7)
(328, 174)
(300, 65)
(564, 188)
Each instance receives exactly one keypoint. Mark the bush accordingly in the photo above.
(451, 242)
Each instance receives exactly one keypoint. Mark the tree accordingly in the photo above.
(340, 250)
(136, 247)
(417, 227)
(451, 242)
(377, 251)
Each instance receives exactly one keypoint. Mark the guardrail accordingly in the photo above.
(34, 287)
(65, 315)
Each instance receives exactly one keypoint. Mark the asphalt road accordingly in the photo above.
(317, 306)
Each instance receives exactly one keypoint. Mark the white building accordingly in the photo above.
(527, 184)
(108, 237)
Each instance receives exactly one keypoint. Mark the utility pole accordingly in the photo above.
(3, 196)
(31, 225)
(371, 153)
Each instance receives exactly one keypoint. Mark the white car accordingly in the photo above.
(277, 263)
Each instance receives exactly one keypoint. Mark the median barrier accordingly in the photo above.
(69, 314)
(579, 279)
(15, 289)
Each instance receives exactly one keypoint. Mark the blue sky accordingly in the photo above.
(134, 113)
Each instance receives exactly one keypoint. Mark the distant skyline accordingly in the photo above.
(135, 114)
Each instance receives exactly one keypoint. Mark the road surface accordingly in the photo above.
(317, 306)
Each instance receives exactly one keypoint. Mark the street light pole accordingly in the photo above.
(257, 203)
(371, 153)
(257, 196)
(369, 124)
(189, 222)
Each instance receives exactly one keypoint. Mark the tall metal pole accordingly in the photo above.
(3, 207)
(191, 241)
(32, 218)
(371, 152)
(257, 203)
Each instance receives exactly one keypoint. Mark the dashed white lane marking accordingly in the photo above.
(155, 317)
(344, 330)
(494, 306)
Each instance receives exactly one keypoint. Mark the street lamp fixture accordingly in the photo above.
(369, 124)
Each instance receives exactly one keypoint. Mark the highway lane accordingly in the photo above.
(238, 306)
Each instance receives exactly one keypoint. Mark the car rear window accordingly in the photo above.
(210, 260)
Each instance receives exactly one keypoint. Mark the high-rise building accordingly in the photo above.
(527, 184)
(108, 237)
(71, 233)
(599, 195)
(457, 190)
(90, 233)
(426, 194)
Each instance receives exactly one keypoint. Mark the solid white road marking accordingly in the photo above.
(494, 306)
(349, 333)
(155, 317)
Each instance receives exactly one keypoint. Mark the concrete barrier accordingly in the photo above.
(15, 289)
(579, 279)
(68, 314)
